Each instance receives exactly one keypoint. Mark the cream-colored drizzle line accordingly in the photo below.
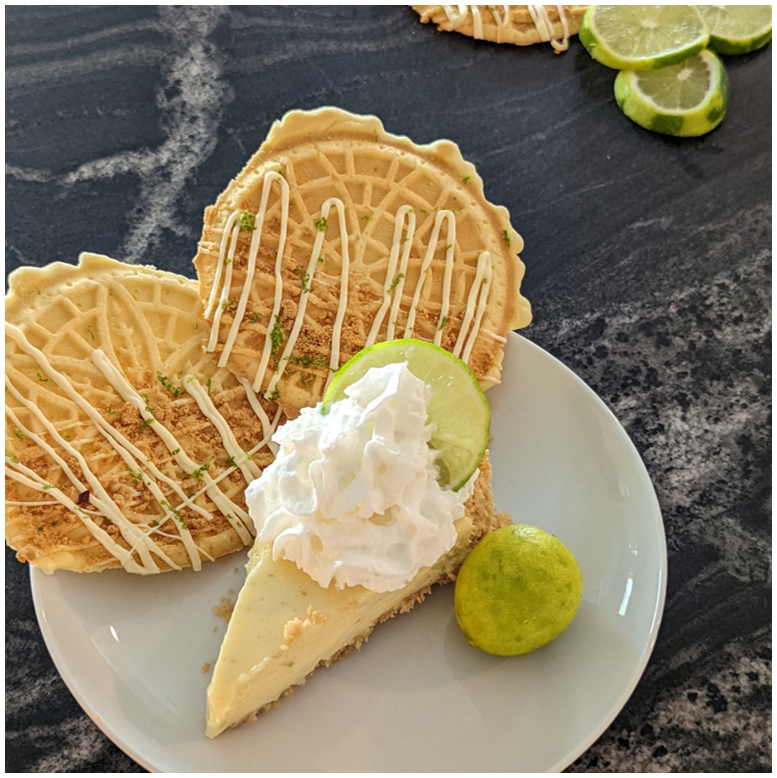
(393, 285)
(334, 359)
(128, 394)
(503, 21)
(267, 426)
(28, 503)
(404, 213)
(457, 14)
(477, 23)
(234, 228)
(480, 289)
(98, 497)
(138, 539)
(276, 307)
(397, 299)
(449, 217)
(492, 335)
(544, 26)
(249, 470)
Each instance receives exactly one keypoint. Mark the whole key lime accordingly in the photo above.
(518, 589)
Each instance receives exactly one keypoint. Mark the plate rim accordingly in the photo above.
(660, 603)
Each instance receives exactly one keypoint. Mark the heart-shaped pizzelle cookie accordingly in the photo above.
(337, 235)
(521, 25)
(126, 445)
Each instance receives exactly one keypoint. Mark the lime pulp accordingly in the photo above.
(738, 29)
(639, 37)
(684, 100)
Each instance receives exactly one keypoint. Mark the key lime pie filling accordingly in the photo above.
(352, 528)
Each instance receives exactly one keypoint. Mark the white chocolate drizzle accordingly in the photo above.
(98, 497)
(140, 536)
(403, 214)
(249, 470)
(539, 15)
(476, 305)
(457, 15)
(477, 22)
(129, 394)
(504, 19)
(268, 426)
(393, 285)
(334, 359)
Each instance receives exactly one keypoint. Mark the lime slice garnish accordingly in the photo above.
(457, 408)
(738, 29)
(642, 37)
(684, 100)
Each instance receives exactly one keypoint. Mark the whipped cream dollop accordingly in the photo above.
(352, 496)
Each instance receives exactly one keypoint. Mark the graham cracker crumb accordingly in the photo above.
(224, 609)
(295, 628)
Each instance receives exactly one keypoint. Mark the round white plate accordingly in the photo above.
(134, 650)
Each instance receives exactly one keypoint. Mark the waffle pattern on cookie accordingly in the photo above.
(338, 235)
(126, 445)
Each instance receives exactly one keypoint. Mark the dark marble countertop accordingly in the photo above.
(648, 266)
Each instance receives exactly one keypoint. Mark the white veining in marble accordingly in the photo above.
(693, 711)
(189, 119)
(76, 742)
(697, 442)
(42, 50)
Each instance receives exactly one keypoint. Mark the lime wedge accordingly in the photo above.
(457, 408)
(642, 37)
(738, 29)
(684, 100)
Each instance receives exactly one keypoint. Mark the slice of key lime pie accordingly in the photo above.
(375, 495)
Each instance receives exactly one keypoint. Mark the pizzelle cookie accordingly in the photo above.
(337, 235)
(126, 445)
(521, 25)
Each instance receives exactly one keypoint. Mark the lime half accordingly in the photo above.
(642, 37)
(738, 29)
(684, 100)
(457, 408)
